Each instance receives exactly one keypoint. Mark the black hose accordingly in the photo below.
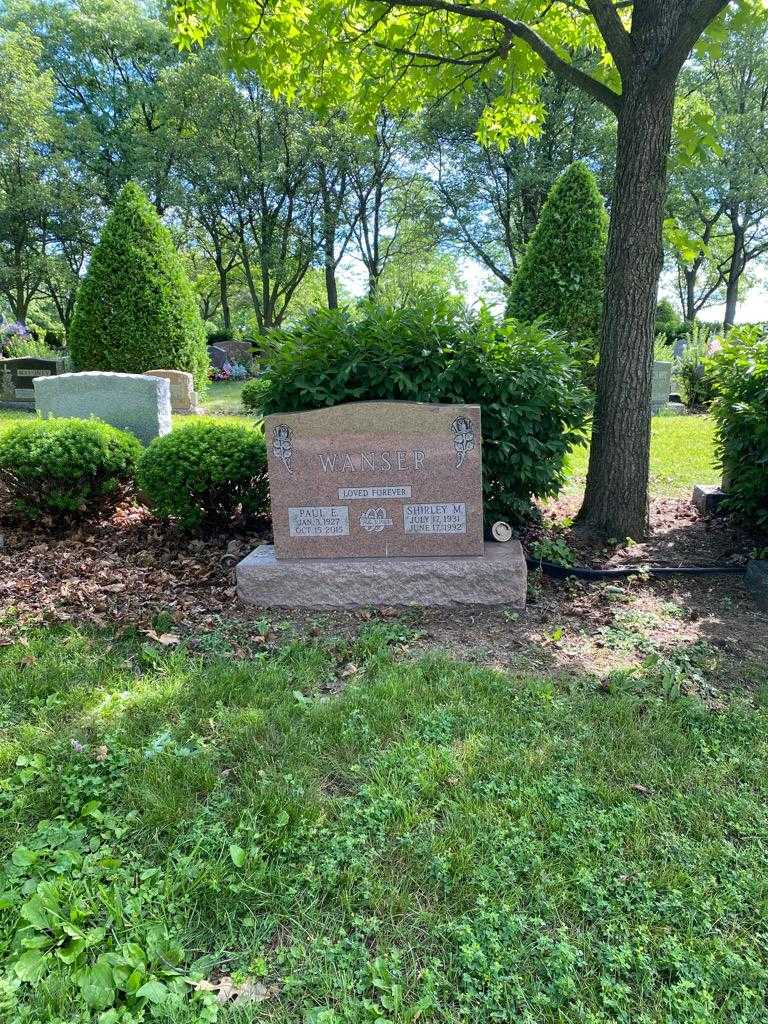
(561, 572)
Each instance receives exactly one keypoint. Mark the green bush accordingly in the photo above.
(562, 275)
(534, 406)
(31, 347)
(136, 309)
(206, 473)
(60, 466)
(669, 323)
(739, 373)
(691, 368)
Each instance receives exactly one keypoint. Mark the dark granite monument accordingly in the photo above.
(16, 377)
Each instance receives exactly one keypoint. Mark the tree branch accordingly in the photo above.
(519, 30)
(611, 28)
(692, 24)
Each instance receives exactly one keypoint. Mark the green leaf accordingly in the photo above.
(24, 858)
(154, 991)
(31, 966)
(237, 853)
(97, 986)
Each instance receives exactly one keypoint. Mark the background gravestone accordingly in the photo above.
(134, 402)
(661, 385)
(16, 376)
(218, 356)
(236, 351)
(376, 479)
(184, 398)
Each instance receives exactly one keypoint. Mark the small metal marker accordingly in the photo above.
(502, 532)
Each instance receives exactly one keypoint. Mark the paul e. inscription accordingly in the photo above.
(376, 479)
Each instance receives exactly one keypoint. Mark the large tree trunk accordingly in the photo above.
(735, 270)
(616, 497)
(226, 315)
(690, 292)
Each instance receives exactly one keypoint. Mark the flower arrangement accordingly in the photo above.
(229, 371)
(10, 332)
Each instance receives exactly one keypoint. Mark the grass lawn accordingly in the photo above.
(682, 454)
(224, 397)
(437, 840)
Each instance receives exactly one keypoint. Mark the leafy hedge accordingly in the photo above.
(136, 308)
(63, 466)
(739, 373)
(534, 404)
(206, 473)
(562, 275)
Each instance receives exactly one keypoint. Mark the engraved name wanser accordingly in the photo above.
(373, 462)
(447, 517)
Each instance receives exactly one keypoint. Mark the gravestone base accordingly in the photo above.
(19, 406)
(499, 576)
(707, 498)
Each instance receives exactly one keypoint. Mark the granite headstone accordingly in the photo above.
(17, 375)
(376, 479)
(184, 398)
(134, 402)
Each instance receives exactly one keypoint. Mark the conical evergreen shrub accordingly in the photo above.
(136, 309)
(562, 275)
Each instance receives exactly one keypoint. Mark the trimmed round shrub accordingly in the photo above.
(136, 308)
(739, 375)
(561, 276)
(64, 467)
(534, 404)
(206, 473)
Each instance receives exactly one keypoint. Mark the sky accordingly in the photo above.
(480, 283)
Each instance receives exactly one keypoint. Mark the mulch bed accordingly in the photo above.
(128, 569)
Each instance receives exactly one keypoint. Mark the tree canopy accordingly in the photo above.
(410, 52)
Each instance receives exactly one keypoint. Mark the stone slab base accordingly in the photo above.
(707, 497)
(20, 406)
(499, 576)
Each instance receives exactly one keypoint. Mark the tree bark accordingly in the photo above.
(616, 496)
(735, 270)
(690, 293)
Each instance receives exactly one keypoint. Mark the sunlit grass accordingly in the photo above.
(483, 845)
(682, 454)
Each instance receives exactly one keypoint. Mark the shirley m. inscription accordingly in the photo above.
(376, 479)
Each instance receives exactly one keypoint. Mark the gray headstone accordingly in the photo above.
(707, 497)
(756, 580)
(661, 385)
(134, 402)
